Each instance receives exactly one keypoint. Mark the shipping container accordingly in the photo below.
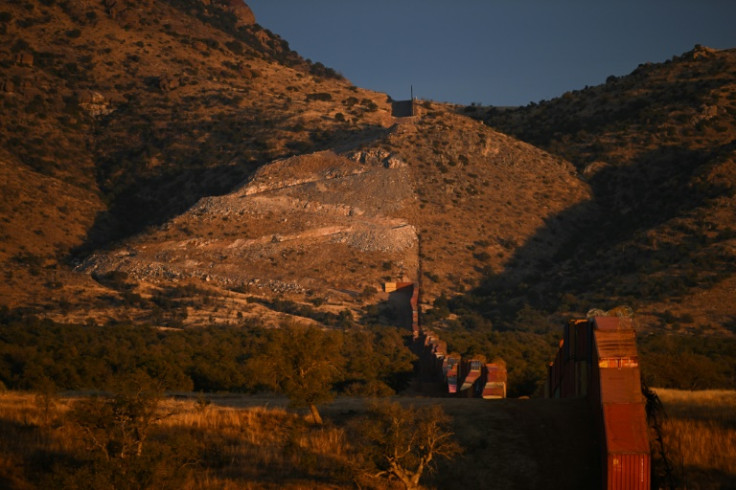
(471, 373)
(615, 348)
(581, 378)
(620, 385)
(495, 381)
(450, 370)
(569, 383)
(598, 359)
(627, 465)
(583, 336)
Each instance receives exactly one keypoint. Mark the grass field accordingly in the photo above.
(701, 430)
(230, 442)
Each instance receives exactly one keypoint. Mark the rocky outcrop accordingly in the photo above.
(701, 52)
(95, 103)
(377, 157)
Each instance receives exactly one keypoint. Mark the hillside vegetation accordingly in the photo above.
(657, 149)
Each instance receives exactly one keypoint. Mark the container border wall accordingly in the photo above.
(597, 359)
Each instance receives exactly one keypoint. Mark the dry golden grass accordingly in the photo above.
(701, 429)
(237, 442)
(251, 447)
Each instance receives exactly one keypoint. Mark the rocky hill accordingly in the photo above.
(121, 115)
(658, 149)
(172, 162)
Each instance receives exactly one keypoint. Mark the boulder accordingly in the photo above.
(94, 103)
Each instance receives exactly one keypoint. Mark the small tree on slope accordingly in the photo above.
(301, 362)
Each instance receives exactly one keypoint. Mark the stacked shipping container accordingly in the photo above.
(598, 359)
(471, 377)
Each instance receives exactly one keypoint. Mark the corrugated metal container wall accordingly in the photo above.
(581, 378)
(627, 447)
(627, 472)
(568, 340)
(594, 390)
(583, 340)
(568, 380)
(494, 390)
(620, 385)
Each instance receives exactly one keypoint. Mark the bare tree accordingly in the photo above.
(405, 443)
(118, 425)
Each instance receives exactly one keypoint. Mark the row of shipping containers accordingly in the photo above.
(598, 359)
(466, 377)
(462, 377)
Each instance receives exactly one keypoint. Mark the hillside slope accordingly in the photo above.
(658, 149)
(124, 114)
(331, 227)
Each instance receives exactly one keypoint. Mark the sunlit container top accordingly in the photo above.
(615, 342)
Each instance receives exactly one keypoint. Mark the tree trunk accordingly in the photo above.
(315, 414)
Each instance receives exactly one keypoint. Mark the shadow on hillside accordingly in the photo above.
(141, 194)
(608, 258)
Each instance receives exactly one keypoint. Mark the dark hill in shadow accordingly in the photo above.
(611, 260)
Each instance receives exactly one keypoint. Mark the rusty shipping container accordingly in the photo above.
(620, 385)
(471, 373)
(581, 378)
(598, 359)
(569, 385)
(450, 371)
(626, 451)
(570, 338)
(615, 342)
(583, 336)
(495, 381)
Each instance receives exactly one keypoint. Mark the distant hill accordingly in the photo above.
(174, 163)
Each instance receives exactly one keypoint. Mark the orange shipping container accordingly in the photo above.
(620, 386)
(627, 465)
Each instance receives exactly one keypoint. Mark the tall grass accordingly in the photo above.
(234, 443)
(213, 446)
(701, 431)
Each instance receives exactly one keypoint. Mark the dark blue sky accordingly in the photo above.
(497, 52)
